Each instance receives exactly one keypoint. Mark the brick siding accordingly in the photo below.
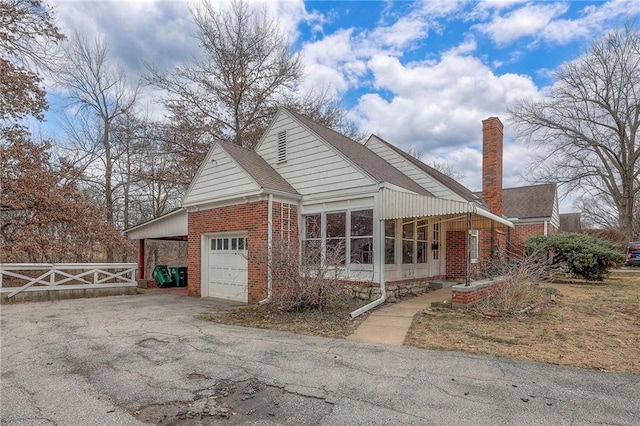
(247, 217)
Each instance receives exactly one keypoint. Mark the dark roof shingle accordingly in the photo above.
(258, 168)
(362, 156)
(529, 201)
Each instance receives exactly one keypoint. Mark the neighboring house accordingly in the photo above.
(570, 222)
(533, 210)
(392, 219)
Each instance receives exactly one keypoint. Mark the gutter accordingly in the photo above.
(381, 260)
(269, 252)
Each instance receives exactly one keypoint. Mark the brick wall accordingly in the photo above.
(456, 257)
(463, 296)
(520, 234)
(248, 217)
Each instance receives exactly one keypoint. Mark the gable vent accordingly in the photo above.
(282, 146)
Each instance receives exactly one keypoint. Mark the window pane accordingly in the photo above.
(336, 225)
(226, 243)
(336, 251)
(362, 223)
(390, 251)
(362, 250)
(311, 251)
(234, 244)
(313, 226)
(240, 243)
(407, 230)
(219, 243)
(213, 244)
(407, 251)
(422, 252)
(389, 228)
(422, 230)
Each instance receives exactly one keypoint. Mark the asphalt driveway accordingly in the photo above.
(149, 358)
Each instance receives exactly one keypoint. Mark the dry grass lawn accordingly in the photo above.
(591, 326)
(333, 321)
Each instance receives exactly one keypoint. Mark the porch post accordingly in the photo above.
(468, 256)
(141, 258)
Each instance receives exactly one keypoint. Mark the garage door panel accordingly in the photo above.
(227, 271)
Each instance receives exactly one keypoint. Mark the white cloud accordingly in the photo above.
(528, 20)
(437, 104)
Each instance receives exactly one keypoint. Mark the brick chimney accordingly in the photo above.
(492, 141)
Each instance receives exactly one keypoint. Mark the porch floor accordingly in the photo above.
(390, 323)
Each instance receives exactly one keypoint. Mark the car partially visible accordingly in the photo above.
(633, 254)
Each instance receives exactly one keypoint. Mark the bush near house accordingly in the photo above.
(581, 254)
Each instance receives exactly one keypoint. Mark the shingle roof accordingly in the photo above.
(529, 201)
(570, 222)
(445, 180)
(362, 156)
(258, 168)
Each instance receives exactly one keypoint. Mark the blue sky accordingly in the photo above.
(421, 74)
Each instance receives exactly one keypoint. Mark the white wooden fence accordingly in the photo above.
(65, 276)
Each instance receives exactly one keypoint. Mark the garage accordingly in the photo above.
(228, 268)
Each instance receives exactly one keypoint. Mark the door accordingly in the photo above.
(228, 268)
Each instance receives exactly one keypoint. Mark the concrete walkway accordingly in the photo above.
(390, 323)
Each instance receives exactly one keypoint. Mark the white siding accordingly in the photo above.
(417, 175)
(171, 225)
(312, 166)
(555, 216)
(219, 177)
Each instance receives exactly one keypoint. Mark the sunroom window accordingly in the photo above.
(390, 242)
(422, 249)
(408, 235)
(336, 238)
(362, 236)
(332, 235)
(312, 247)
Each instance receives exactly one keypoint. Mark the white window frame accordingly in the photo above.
(347, 246)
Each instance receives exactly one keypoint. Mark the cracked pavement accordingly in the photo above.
(104, 361)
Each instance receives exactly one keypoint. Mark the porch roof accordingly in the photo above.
(170, 226)
(398, 205)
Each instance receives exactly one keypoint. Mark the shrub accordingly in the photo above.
(585, 255)
(521, 283)
(300, 281)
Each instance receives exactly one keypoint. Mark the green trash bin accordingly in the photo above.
(162, 277)
(179, 275)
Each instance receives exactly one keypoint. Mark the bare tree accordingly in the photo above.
(43, 209)
(247, 67)
(588, 125)
(27, 34)
(438, 164)
(101, 94)
(447, 169)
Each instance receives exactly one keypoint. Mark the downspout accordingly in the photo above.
(546, 225)
(381, 263)
(269, 251)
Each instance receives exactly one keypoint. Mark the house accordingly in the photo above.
(391, 219)
(533, 210)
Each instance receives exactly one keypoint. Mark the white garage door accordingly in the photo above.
(228, 272)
